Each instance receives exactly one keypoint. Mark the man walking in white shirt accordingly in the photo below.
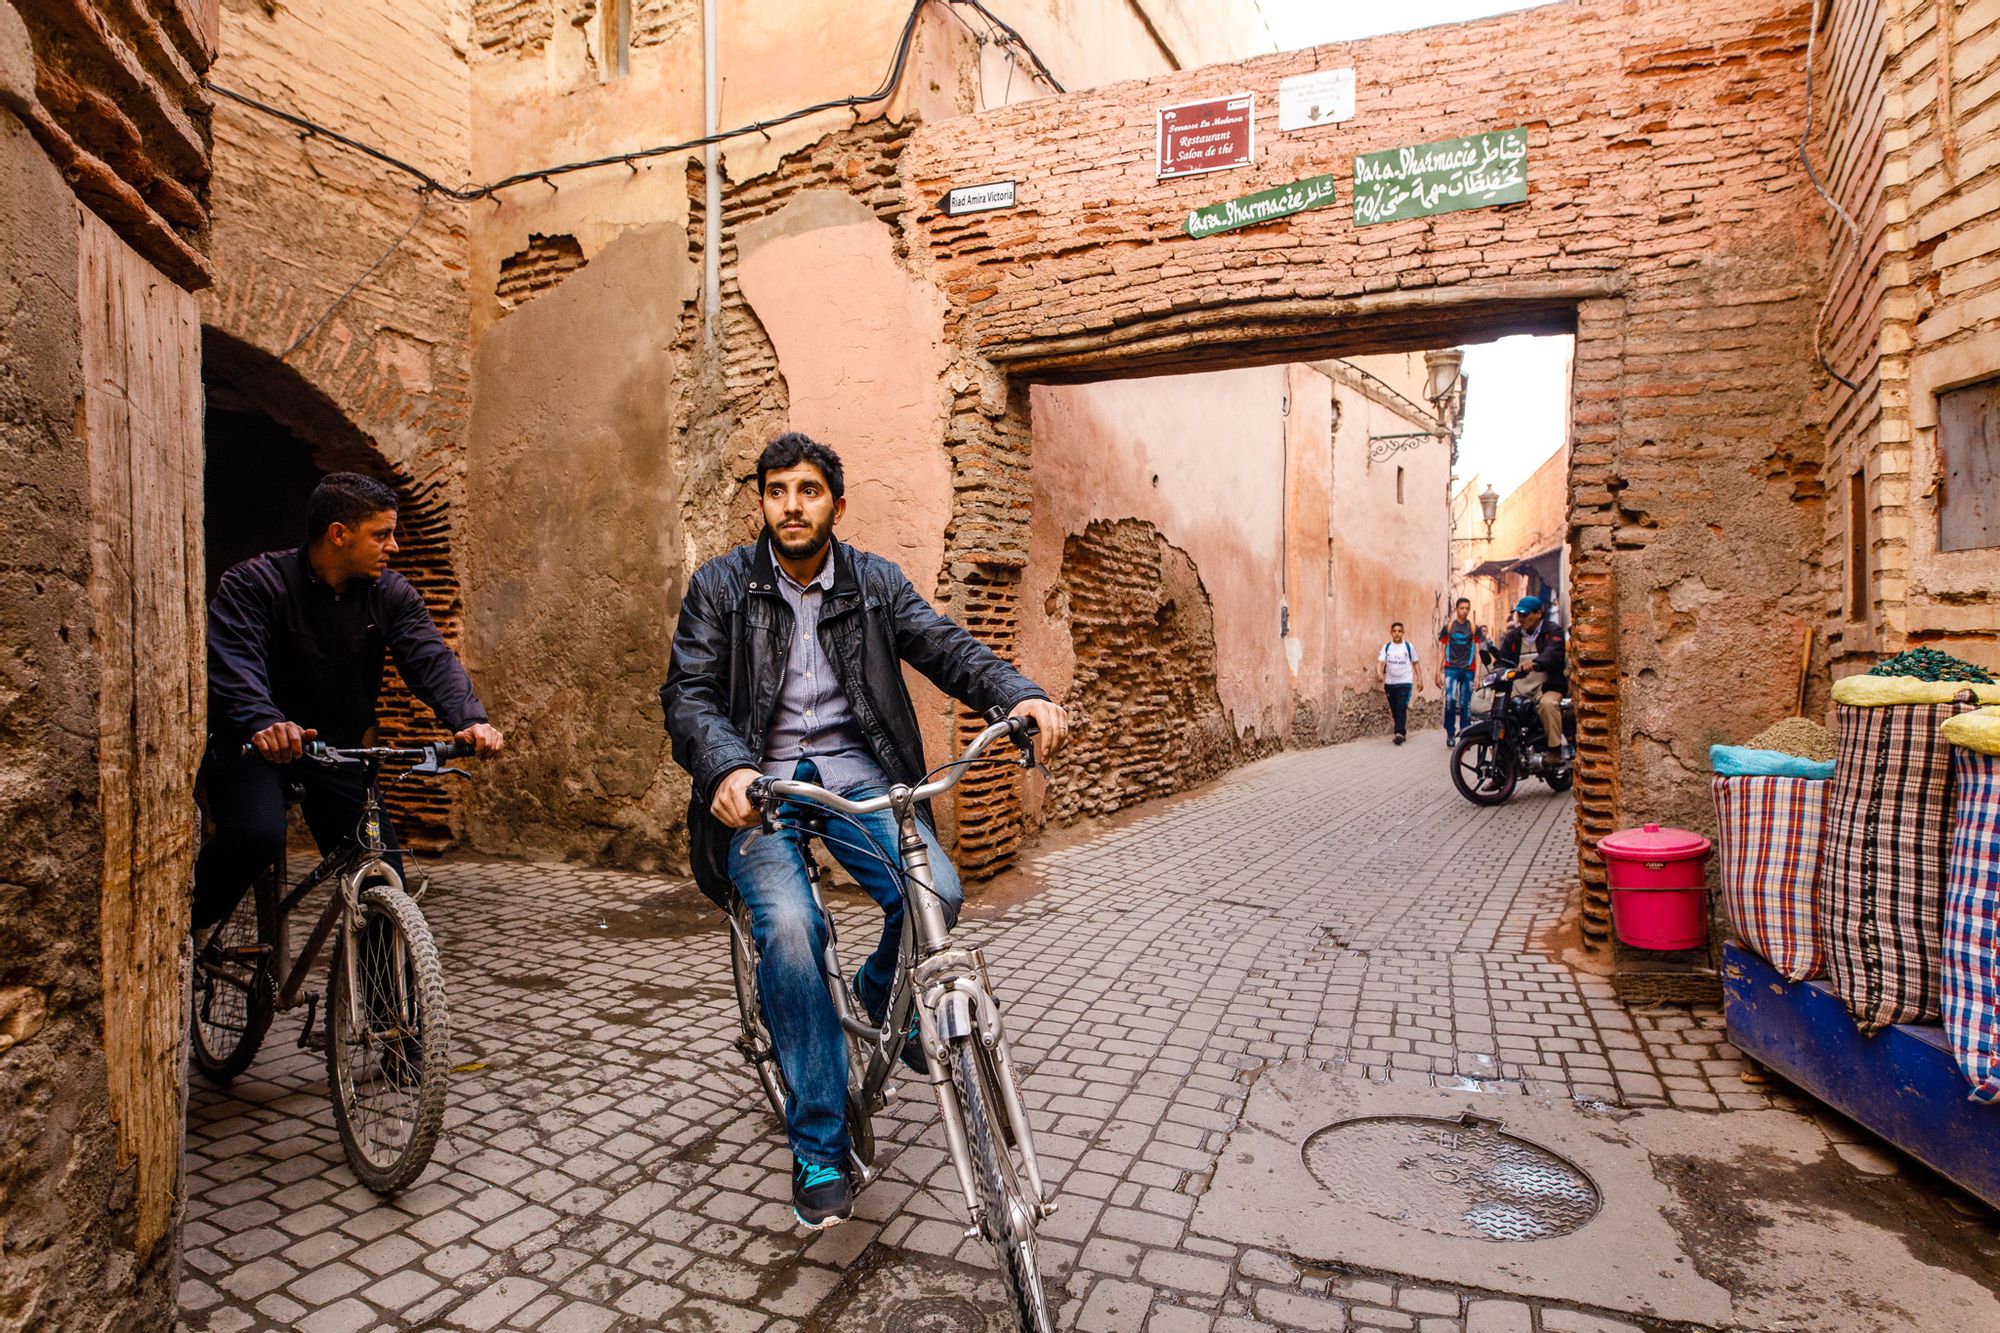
(1396, 672)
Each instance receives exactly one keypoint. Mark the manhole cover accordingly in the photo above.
(936, 1314)
(1464, 1177)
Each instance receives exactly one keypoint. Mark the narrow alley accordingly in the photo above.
(1332, 932)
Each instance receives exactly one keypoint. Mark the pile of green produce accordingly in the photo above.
(1795, 736)
(1930, 664)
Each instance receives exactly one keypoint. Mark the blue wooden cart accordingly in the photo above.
(1901, 1084)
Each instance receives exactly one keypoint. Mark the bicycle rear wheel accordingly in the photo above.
(386, 1075)
(234, 1000)
(1007, 1214)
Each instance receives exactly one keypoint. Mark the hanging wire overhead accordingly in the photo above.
(1008, 38)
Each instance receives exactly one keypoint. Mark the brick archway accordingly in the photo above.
(1669, 226)
(241, 379)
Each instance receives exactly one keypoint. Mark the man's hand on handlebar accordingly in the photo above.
(1052, 724)
(282, 742)
(486, 741)
(732, 799)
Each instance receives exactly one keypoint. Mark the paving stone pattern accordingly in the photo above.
(610, 1166)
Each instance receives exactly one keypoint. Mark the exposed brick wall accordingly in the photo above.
(545, 261)
(1147, 719)
(662, 22)
(512, 27)
(1668, 223)
(1849, 110)
(119, 107)
(1941, 324)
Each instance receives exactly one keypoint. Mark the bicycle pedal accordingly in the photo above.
(310, 1036)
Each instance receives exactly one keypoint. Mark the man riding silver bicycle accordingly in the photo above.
(787, 664)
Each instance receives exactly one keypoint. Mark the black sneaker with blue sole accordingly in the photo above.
(821, 1195)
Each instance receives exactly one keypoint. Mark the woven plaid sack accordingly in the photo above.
(1882, 864)
(1768, 831)
(1971, 968)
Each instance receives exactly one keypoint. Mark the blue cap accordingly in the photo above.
(1527, 604)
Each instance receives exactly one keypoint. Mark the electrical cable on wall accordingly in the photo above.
(423, 207)
(430, 184)
(1819, 319)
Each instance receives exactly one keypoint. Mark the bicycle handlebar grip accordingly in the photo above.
(456, 749)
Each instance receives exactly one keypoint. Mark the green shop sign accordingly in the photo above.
(1251, 209)
(1441, 177)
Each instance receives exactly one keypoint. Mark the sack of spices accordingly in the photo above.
(1970, 974)
(1888, 826)
(1768, 833)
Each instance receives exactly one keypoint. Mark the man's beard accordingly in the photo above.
(804, 549)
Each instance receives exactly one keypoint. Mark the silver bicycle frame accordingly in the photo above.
(952, 997)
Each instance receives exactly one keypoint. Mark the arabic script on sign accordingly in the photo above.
(1442, 177)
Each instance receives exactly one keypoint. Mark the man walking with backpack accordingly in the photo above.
(1458, 663)
(1396, 672)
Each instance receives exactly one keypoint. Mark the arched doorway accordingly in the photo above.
(270, 437)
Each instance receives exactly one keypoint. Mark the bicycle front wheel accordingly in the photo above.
(387, 1038)
(1007, 1214)
(755, 1043)
(234, 999)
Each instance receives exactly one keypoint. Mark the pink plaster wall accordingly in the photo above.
(1216, 444)
(1388, 559)
(864, 373)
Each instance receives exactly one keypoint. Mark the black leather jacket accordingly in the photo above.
(729, 658)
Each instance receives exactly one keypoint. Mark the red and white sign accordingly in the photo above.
(1207, 136)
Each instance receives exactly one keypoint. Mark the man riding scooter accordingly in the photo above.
(1535, 647)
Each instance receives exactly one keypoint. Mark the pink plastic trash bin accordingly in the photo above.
(1659, 894)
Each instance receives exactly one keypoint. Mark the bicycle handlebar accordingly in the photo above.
(1020, 730)
(319, 752)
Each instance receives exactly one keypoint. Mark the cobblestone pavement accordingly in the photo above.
(610, 1166)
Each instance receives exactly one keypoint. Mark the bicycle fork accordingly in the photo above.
(955, 1005)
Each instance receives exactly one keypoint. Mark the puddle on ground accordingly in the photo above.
(668, 914)
(895, 1291)
(532, 981)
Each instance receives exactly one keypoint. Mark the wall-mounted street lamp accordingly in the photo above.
(1444, 386)
(1489, 505)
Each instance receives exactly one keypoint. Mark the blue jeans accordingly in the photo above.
(769, 872)
(1457, 700)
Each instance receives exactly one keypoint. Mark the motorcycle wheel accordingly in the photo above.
(1561, 779)
(1483, 772)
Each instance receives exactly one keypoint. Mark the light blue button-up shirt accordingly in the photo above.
(812, 719)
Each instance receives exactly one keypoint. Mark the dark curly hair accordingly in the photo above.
(793, 448)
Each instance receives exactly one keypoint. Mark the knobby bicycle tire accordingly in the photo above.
(222, 1041)
(403, 1055)
(1006, 1213)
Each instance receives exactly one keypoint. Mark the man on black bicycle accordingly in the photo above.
(295, 653)
(787, 662)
